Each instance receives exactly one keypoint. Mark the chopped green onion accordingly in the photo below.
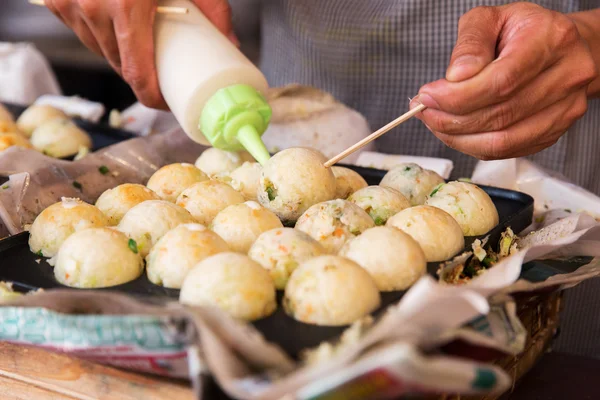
(103, 169)
(132, 246)
(270, 193)
(406, 169)
(39, 253)
(5, 187)
(568, 210)
(435, 190)
(379, 221)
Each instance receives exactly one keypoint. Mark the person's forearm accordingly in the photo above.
(588, 23)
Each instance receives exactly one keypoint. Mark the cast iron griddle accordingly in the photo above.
(102, 135)
(28, 271)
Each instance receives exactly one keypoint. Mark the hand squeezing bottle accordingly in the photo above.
(214, 91)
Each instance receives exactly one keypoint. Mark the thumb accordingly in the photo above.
(219, 13)
(478, 32)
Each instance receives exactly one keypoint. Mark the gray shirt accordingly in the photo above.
(375, 54)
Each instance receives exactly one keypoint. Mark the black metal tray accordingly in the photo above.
(102, 134)
(28, 271)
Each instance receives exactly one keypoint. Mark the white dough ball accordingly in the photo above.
(36, 115)
(245, 179)
(215, 162)
(171, 180)
(13, 139)
(115, 203)
(393, 258)
(331, 291)
(59, 221)
(380, 202)
(293, 180)
(281, 250)
(241, 224)
(206, 199)
(60, 138)
(232, 282)
(178, 251)
(97, 258)
(435, 230)
(148, 221)
(414, 182)
(470, 206)
(347, 182)
(332, 223)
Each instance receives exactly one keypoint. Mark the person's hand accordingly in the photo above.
(122, 32)
(516, 82)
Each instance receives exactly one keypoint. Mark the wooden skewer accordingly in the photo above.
(375, 135)
(162, 10)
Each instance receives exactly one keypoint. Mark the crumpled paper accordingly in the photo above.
(26, 74)
(74, 106)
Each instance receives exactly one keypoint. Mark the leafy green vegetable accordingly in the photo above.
(132, 246)
(5, 187)
(379, 221)
(77, 185)
(39, 253)
(103, 169)
(270, 193)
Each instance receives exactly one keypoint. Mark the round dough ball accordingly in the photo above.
(171, 180)
(36, 115)
(206, 199)
(178, 251)
(245, 179)
(332, 223)
(393, 258)
(293, 180)
(148, 221)
(347, 182)
(232, 282)
(331, 291)
(281, 250)
(470, 206)
(60, 138)
(57, 222)
(13, 139)
(414, 182)
(5, 115)
(434, 229)
(380, 202)
(114, 203)
(97, 258)
(215, 162)
(241, 224)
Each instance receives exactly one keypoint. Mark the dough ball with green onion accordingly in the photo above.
(171, 180)
(59, 221)
(281, 250)
(178, 251)
(393, 258)
(414, 182)
(434, 229)
(150, 220)
(232, 282)
(215, 162)
(330, 291)
(347, 182)
(470, 206)
(294, 180)
(97, 258)
(60, 138)
(206, 199)
(332, 223)
(245, 179)
(115, 202)
(241, 224)
(380, 202)
(36, 115)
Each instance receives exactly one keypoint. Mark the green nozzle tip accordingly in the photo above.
(235, 118)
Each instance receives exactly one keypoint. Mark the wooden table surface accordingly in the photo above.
(28, 373)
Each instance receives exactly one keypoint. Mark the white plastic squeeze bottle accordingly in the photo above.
(213, 90)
